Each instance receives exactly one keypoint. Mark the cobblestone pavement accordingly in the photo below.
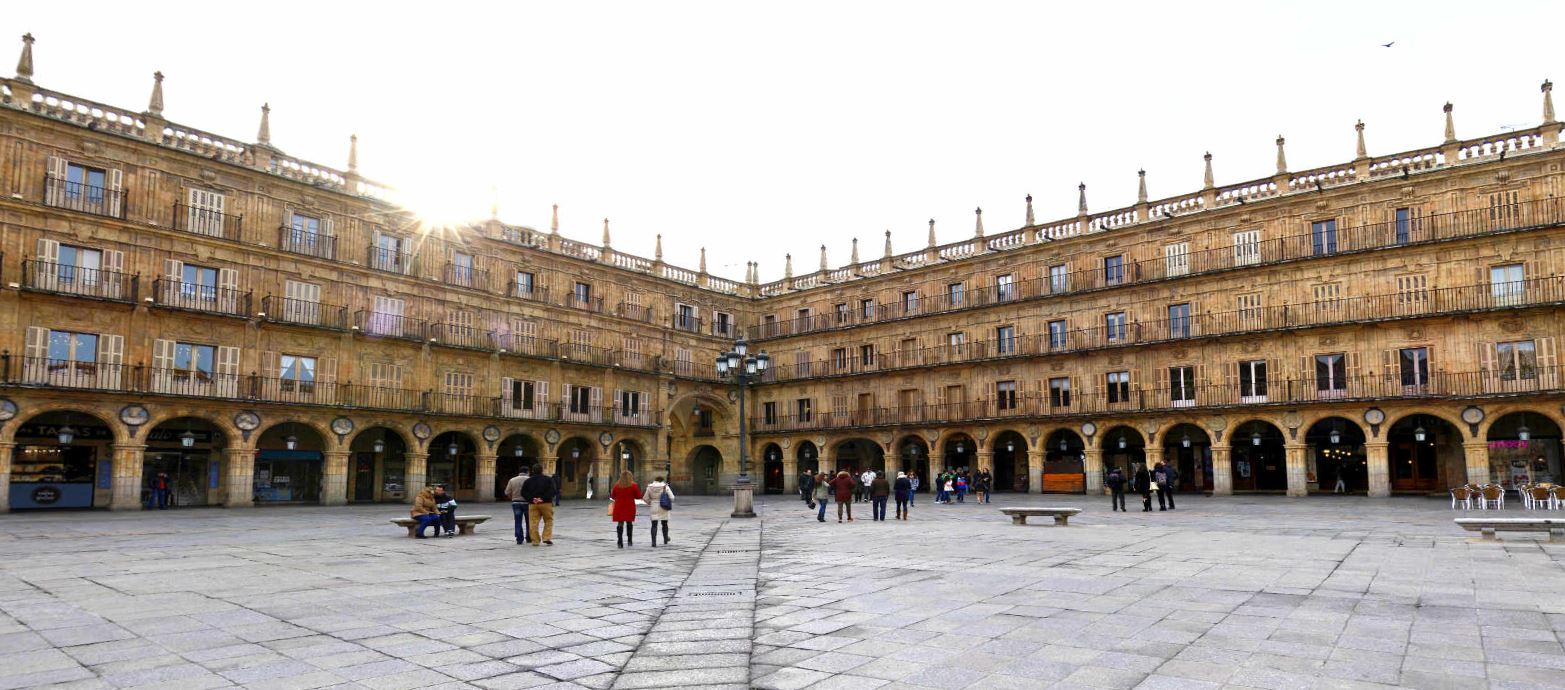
(1263, 592)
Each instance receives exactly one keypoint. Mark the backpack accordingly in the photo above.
(664, 501)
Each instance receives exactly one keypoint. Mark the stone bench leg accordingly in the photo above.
(413, 530)
(1018, 519)
(1061, 520)
(466, 527)
(1488, 533)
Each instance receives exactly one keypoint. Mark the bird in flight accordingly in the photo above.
(1388, 45)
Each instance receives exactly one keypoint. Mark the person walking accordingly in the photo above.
(513, 491)
(948, 488)
(425, 512)
(940, 488)
(912, 480)
(844, 485)
(158, 487)
(822, 497)
(903, 488)
(806, 486)
(539, 491)
(879, 491)
(1167, 490)
(981, 485)
(1160, 480)
(961, 487)
(622, 508)
(1144, 487)
(657, 508)
(867, 478)
(1342, 486)
(1116, 482)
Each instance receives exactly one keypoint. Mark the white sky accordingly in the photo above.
(760, 129)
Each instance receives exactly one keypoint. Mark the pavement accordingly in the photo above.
(1257, 592)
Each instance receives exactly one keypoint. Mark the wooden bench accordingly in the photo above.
(1488, 526)
(464, 524)
(1061, 515)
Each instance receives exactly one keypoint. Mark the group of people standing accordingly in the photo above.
(817, 489)
(1160, 480)
(952, 486)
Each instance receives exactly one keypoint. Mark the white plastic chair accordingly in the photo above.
(1492, 497)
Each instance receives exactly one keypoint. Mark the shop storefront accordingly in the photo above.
(194, 472)
(288, 476)
(1534, 461)
(61, 465)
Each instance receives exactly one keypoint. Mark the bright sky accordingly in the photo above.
(758, 129)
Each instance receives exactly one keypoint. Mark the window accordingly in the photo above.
(1412, 292)
(525, 284)
(1247, 248)
(1005, 395)
(66, 355)
(1328, 301)
(1113, 270)
(839, 359)
(769, 324)
(801, 362)
(1057, 335)
(1331, 375)
(1005, 340)
(684, 365)
(1249, 310)
(1323, 237)
(386, 317)
(389, 253)
(198, 282)
(85, 184)
(907, 352)
(462, 269)
(304, 233)
(867, 309)
(296, 374)
(1119, 386)
(769, 412)
(685, 318)
(723, 323)
(582, 294)
(802, 409)
(194, 363)
(581, 342)
(1414, 366)
(1518, 360)
(580, 399)
(1181, 386)
(1179, 320)
(802, 318)
(956, 343)
(519, 398)
(1505, 208)
(1059, 280)
(629, 403)
(1176, 259)
(1114, 326)
(867, 356)
(631, 347)
(954, 295)
(910, 302)
(83, 188)
(1004, 288)
(68, 268)
(179, 367)
(1408, 225)
(301, 303)
(1060, 392)
(842, 313)
(1252, 381)
(1507, 284)
(204, 214)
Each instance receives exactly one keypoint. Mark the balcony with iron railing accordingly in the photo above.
(530, 346)
(461, 275)
(77, 196)
(688, 323)
(300, 241)
(634, 312)
(65, 279)
(725, 328)
(389, 260)
(591, 304)
(455, 335)
(531, 293)
(304, 313)
(204, 221)
(202, 298)
(387, 325)
(1432, 228)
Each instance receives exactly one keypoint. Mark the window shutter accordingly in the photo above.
(162, 363)
(173, 275)
(48, 268)
(615, 403)
(1307, 372)
(541, 389)
(36, 361)
(1548, 374)
(113, 268)
(269, 361)
(1391, 368)
(328, 228)
(1231, 382)
(111, 357)
(116, 195)
(641, 410)
(506, 397)
(228, 290)
(1486, 359)
(56, 170)
(326, 380)
(227, 371)
(597, 404)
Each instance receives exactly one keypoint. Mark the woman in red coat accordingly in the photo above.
(622, 507)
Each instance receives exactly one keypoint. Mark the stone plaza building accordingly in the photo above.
(265, 329)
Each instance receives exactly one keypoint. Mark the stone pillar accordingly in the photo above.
(549, 463)
(128, 460)
(1477, 453)
(1093, 466)
(1298, 481)
(791, 474)
(1222, 471)
(6, 451)
(1378, 466)
(1154, 456)
(239, 477)
(984, 459)
(418, 466)
(334, 482)
(485, 482)
(1035, 456)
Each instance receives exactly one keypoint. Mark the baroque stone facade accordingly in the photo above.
(266, 329)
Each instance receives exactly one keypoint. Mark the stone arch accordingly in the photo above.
(910, 453)
(955, 449)
(109, 417)
(196, 473)
(84, 473)
(1335, 453)
(1492, 415)
(1064, 469)
(573, 470)
(682, 409)
(706, 469)
(1425, 453)
(1009, 461)
(453, 462)
(291, 475)
(773, 468)
(1527, 443)
(222, 421)
(378, 475)
(1187, 445)
(1263, 466)
(858, 453)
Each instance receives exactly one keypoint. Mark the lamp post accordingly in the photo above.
(741, 367)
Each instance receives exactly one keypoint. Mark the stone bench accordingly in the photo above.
(1488, 526)
(1061, 515)
(464, 523)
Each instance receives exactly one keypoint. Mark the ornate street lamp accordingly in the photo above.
(1255, 438)
(1419, 434)
(1063, 445)
(741, 367)
(1185, 441)
(66, 434)
(1336, 437)
(380, 445)
(187, 439)
(1121, 441)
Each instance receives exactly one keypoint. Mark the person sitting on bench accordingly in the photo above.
(425, 512)
(446, 504)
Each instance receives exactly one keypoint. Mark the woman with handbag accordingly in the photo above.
(622, 508)
(660, 500)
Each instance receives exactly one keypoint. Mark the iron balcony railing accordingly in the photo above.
(304, 313)
(527, 345)
(389, 325)
(205, 221)
(724, 329)
(533, 293)
(689, 323)
(78, 196)
(65, 279)
(301, 241)
(465, 276)
(391, 260)
(198, 297)
(592, 304)
(634, 312)
(1306, 245)
(452, 335)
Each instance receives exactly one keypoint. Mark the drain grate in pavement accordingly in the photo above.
(737, 551)
(713, 594)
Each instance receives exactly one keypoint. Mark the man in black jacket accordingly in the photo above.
(539, 492)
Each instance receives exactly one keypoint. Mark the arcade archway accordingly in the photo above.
(1335, 458)
(1064, 463)
(1259, 458)
(378, 466)
(1010, 462)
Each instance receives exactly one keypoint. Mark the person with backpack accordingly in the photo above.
(912, 479)
(807, 487)
(540, 491)
(622, 508)
(1165, 489)
(660, 501)
(1116, 482)
(961, 487)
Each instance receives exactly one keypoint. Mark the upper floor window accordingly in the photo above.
(685, 317)
(1507, 284)
(1247, 248)
(954, 295)
(68, 358)
(1005, 340)
(1249, 308)
(910, 302)
(462, 269)
(1176, 259)
(1119, 386)
(1412, 291)
(1505, 208)
(1113, 270)
(1413, 365)
(1005, 395)
(957, 342)
(1057, 335)
(629, 403)
(839, 358)
(722, 323)
(1409, 225)
(581, 294)
(1323, 237)
(867, 355)
(1331, 374)
(389, 253)
(769, 412)
(1060, 392)
(83, 188)
(1114, 326)
(803, 409)
(1181, 386)
(1518, 360)
(1059, 279)
(296, 373)
(1252, 381)
(310, 235)
(181, 367)
(203, 214)
(525, 284)
(842, 312)
(867, 309)
(1004, 287)
(579, 400)
(79, 270)
(1179, 320)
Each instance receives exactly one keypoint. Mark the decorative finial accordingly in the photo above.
(787, 265)
(353, 153)
(657, 252)
(554, 221)
(264, 134)
(1208, 179)
(749, 272)
(1361, 152)
(1450, 125)
(978, 227)
(605, 233)
(155, 104)
(24, 64)
(703, 260)
(1548, 102)
(1141, 192)
(1081, 201)
(1030, 221)
(823, 257)
(854, 257)
(931, 232)
(888, 244)
(1282, 160)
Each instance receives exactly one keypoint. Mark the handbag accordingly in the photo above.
(611, 507)
(664, 501)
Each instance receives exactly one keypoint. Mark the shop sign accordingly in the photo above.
(46, 495)
(83, 433)
(1503, 445)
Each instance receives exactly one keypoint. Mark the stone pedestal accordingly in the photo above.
(486, 479)
(1222, 471)
(1477, 453)
(1298, 480)
(1378, 466)
(334, 481)
(1093, 466)
(128, 460)
(418, 466)
(239, 478)
(744, 500)
(6, 450)
(1035, 458)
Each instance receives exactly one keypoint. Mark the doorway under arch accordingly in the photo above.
(772, 468)
(1010, 462)
(1425, 455)
(1524, 447)
(1125, 448)
(706, 469)
(958, 452)
(1189, 449)
(1064, 463)
(574, 467)
(453, 463)
(62, 459)
(1335, 459)
(188, 451)
(857, 455)
(378, 469)
(1259, 461)
(514, 453)
(808, 457)
(289, 465)
(913, 456)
